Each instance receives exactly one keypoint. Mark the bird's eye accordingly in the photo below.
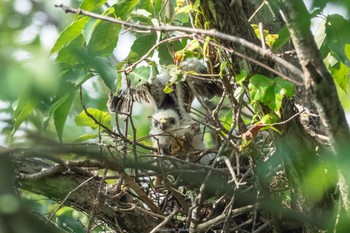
(156, 123)
(172, 120)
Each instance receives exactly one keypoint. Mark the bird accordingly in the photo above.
(175, 135)
(179, 95)
(171, 92)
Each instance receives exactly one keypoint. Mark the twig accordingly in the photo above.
(212, 32)
(232, 172)
(262, 227)
(65, 199)
(238, 54)
(235, 212)
(166, 220)
(96, 203)
(262, 36)
(257, 10)
(142, 195)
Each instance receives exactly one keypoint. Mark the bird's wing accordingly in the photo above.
(150, 92)
(205, 87)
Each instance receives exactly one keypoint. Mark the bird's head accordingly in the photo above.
(166, 120)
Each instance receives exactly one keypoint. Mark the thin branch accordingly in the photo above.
(65, 199)
(44, 173)
(166, 221)
(213, 33)
(144, 57)
(235, 212)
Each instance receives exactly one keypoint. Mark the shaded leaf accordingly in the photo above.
(338, 31)
(143, 44)
(69, 54)
(104, 38)
(124, 7)
(283, 38)
(107, 71)
(61, 112)
(152, 6)
(22, 112)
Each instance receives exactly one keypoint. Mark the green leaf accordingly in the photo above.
(61, 112)
(69, 34)
(89, 29)
(168, 88)
(143, 44)
(85, 137)
(140, 75)
(241, 77)
(153, 6)
(269, 118)
(338, 31)
(69, 54)
(22, 112)
(222, 67)
(341, 73)
(164, 56)
(92, 5)
(283, 38)
(124, 7)
(107, 71)
(76, 75)
(270, 92)
(104, 38)
(103, 118)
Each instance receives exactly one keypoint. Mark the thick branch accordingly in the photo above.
(58, 186)
(319, 83)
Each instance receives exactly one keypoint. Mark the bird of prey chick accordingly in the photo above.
(173, 132)
(173, 135)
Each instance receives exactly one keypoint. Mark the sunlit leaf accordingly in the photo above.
(140, 75)
(104, 118)
(92, 5)
(86, 137)
(341, 74)
(124, 7)
(270, 91)
(69, 34)
(269, 118)
(241, 77)
(22, 112)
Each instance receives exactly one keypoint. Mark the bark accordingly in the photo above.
(321, 87)
(296, 149)
(116, 212)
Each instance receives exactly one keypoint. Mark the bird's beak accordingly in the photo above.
(163, 124)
